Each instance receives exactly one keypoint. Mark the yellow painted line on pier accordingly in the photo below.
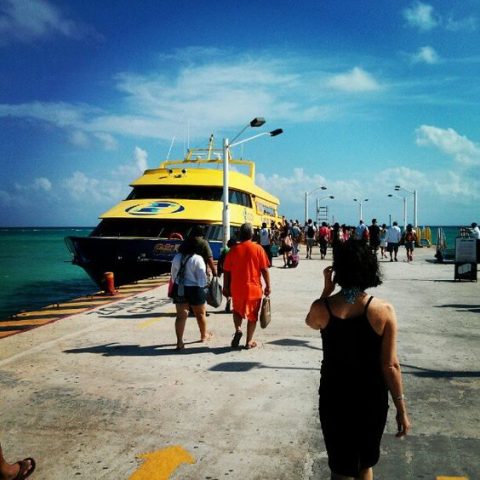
(161, 464)
(25, 321)
(148, 323)
(21, 323)
(452, 478)
(10, 332)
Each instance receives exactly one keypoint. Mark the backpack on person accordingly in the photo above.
(310, 231)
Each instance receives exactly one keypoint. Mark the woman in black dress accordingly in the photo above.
(360, 363)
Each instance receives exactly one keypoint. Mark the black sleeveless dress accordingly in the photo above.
(353, 395)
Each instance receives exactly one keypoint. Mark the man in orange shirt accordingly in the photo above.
(244, 267)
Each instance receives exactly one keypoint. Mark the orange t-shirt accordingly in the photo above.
(245, 262)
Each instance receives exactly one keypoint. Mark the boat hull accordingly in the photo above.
(129, 259)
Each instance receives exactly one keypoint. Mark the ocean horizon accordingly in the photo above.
(36, 268)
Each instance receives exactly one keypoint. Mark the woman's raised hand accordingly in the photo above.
(329, 286)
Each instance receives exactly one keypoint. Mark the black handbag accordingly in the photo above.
(214, 293)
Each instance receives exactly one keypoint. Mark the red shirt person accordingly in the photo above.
(245, 266)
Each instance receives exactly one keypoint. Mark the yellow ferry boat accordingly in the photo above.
(139, 236)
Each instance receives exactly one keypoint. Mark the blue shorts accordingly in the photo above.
(192, 295)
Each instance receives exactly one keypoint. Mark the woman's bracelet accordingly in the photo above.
(400, 397)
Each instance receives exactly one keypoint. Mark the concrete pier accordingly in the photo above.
(102, 394)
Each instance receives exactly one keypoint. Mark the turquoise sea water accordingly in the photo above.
(35, 268)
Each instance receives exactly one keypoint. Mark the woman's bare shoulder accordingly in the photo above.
(318, 315)
(381, 313)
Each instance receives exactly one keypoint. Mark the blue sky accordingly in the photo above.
(369, 94)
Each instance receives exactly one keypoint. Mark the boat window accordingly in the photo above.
(152, 229)
(239, 198)
(263, 209)
(215, 232)
(189, 192)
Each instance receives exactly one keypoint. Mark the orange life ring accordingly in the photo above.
(175, 236)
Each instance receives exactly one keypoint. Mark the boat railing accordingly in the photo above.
(167, 164)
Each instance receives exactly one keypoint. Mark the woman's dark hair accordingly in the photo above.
(188, 246)
(355, 265)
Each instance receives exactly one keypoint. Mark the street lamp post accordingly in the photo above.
(256, 122)
(331, 197)
(306, 200)
(360, 202)
(415, 203)
(391, 195)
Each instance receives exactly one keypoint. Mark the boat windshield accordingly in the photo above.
(188, 192)
(112, 227)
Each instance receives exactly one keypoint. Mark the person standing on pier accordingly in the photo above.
(323, 239)
(244, 267)
(310, 232)
(383, 240)
(394, 234)
(374, 231)
(190, 279)
(410, 239)
(266, 241)
(360, 363)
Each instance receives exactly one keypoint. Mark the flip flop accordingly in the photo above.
(236, 339)
(24, 471)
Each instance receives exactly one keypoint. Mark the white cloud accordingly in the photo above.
(202, 98)
(356, 80)
(30, 20)
(108, 141)
(467, 24)
(141, 158)
(42, 183)
(135, 168)
(448, 141)
(38, 184)
(426, 54)
(79, 138)
(90, 191)
(422, 16)
(60, 114)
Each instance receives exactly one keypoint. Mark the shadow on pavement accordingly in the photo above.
(461, 307)
(427, 373)
(247, 366)
(117, 350)
(290, 342)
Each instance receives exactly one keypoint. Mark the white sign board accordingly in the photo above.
(465, 250)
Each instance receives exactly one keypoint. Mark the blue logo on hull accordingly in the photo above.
(154, 208)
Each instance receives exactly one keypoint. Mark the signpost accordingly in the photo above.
(466, 259)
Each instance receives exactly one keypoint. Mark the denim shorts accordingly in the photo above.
(192, 295)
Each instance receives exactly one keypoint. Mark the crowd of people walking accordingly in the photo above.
(287, 236)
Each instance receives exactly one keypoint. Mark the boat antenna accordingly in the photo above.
(210, 146)
(170, 149)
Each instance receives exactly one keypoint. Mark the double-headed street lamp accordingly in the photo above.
(391, 195)
(256, 122)
(360, 202)
(414, 193)
(306, 200)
